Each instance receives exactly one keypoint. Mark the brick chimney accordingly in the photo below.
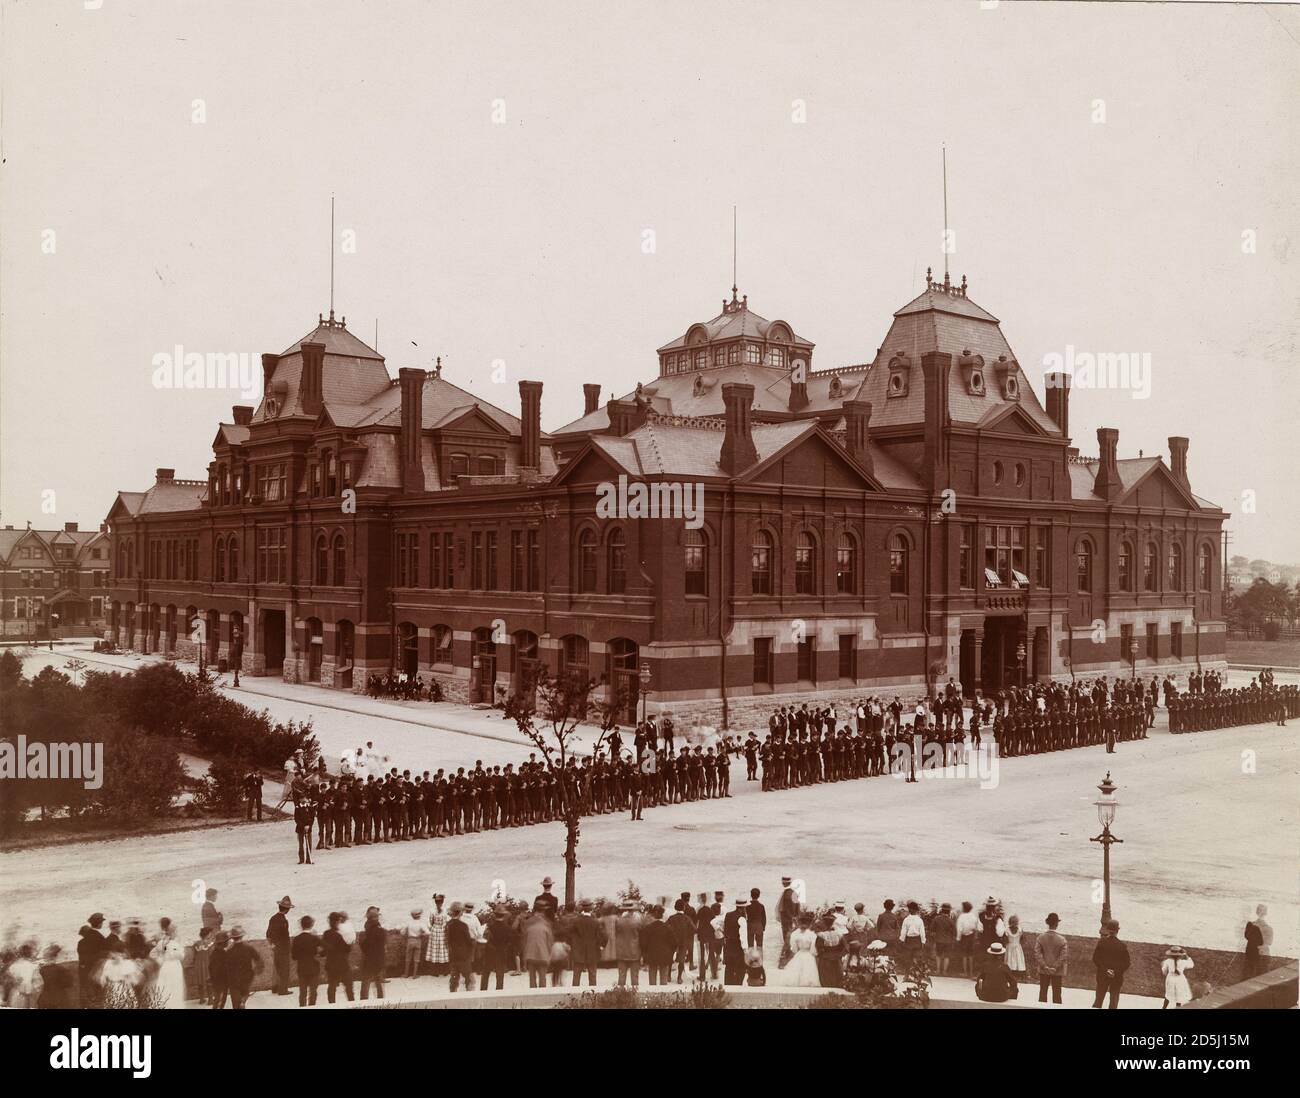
(624, 416)
(243, 414)
(69, 527)
(857, 421)
(590, 399)
(164, 476)
(1058, 400)
(269, 363)
(411, 382)
(935, 370)
(1107, 483)
(738, 449)
(310, 388)
(530, 424)
(1178, 460)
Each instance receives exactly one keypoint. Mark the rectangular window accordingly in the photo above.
(448, 563)
(848, 654)
(490, 563)
(1126, 650)
(753, 354)
(435, 560)
(1176, 639)
(762, 661)
(966, 557)
(1004, 554)
(1042, 556)
(804, 571)
(271, 481)
(733, 354)
(476, 561)
(806, 666)
(534, 560)
(270, 544)
(1153, 640)
(517, 576)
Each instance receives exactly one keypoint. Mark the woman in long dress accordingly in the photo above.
(801, 971)
(1015, 949)
(169, 955)
(435, 945)
(1175, 967)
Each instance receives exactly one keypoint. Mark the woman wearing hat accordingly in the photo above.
(801, 971)
(1175, 966)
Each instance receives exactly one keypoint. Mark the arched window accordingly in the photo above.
(696, 563)
(487, 465)
(1175, 566)
(1083, 566)
(1125, 566)
(585, 565)
(322, 561)
(898, 565)
(1204, 566)
(846, 565)
(1150, 567)
(219, 563)
(340, 561)
(616, 574)
(232, 555)
(760, 566)
(805, 564)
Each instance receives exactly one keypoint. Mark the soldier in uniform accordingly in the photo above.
(303, 814)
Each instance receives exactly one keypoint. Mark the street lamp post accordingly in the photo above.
(237, 640)
(1106, 806)
(1020, 662)
(1133, 658)
(645, 688)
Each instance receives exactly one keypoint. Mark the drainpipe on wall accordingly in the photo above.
(725, 601)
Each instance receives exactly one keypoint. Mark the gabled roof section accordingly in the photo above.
(1133, 472)
(230, 434)
(180, 495)
(127, 503)
(1009, 416)
(439, 400)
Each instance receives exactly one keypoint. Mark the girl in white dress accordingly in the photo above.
(802, 968)
(1015, 950)
(169, 955)
(1175, 967)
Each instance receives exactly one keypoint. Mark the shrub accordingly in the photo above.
(222, 790)
(700, 997)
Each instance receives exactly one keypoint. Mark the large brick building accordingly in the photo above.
(53, 582)
(863, 527)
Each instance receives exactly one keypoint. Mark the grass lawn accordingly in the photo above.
(1262, 653)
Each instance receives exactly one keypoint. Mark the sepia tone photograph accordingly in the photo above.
(436, 436)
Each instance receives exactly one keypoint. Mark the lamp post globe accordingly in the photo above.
(1106, 806)
(237, 650)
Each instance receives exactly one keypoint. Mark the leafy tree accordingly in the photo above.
(548, 712)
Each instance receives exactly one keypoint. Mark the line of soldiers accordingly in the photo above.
(348, 811)
(1251, 704)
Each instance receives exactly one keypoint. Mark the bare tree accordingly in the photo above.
(548, 712)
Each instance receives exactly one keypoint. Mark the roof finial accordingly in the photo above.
(331, 256)
(733, 253)
(929, 277)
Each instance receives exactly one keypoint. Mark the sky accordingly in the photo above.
(546, 191)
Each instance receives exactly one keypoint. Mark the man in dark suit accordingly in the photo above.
(253, 792)
(733, 949)
(306, 955)
(681, 926)
(90, 954)
(242, 965)
(587, 937)
(755, 920)
(374, 957)
(277, 934)
(787, 910)
(1111, 960)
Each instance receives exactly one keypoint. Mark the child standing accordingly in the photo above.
(200, 952)
(1175, 967)
(1015, 950)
